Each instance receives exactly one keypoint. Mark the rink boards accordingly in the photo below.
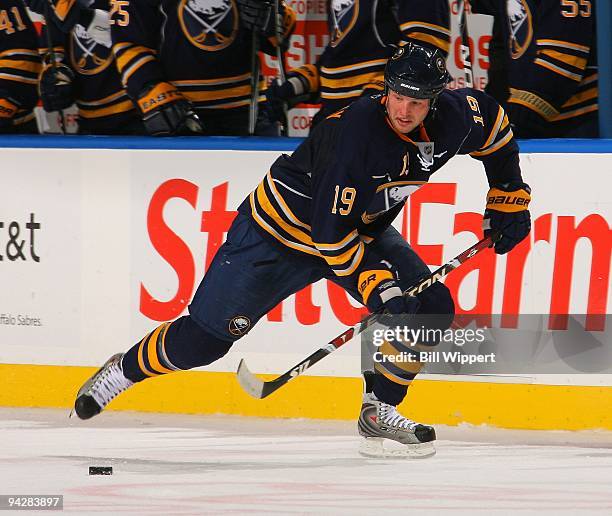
(99, 244)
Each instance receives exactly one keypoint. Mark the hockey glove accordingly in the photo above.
(8, 108)
(507, 212)
(55, 86)
(381, 291)
(165, 112)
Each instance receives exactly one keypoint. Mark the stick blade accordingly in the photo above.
(249, 382)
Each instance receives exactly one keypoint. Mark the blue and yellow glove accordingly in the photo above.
(507, 211)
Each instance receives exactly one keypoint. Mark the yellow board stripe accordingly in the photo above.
(536, 407)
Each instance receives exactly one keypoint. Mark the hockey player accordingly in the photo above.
(19, 69)
(363, 35)
(325, 212)
(543, 66)
(84, 70)
(187, 63)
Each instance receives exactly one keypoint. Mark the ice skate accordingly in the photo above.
(386, 433)
(101, 388)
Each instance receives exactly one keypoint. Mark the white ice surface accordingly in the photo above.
(177, 465)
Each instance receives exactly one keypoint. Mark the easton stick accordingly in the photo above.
(260, 389)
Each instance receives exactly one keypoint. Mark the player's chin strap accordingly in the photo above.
(260, 389)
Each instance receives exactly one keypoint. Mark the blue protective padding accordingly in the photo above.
(567, 146)
(51, 141)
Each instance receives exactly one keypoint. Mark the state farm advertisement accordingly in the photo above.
(105, 244)
(179, 222)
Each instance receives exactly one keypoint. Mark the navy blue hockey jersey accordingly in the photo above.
(363, 35)
(19, 65)
(350, 178)
(544, 60)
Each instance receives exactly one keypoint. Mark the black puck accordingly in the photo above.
(100, 470)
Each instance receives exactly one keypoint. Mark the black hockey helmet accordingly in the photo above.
(417, 71)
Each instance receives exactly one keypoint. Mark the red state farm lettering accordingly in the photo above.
(485, 263)
(306, 311)
(597, 230)
(515, 268)
(342, 308)
(172, 249)
(431, 193)
(216, 221)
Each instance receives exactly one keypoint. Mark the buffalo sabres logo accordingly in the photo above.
(88, 57)
(343, 15)
(400, 193)
(209, 24)
(521, 29)
(386, 197)
(239, 325)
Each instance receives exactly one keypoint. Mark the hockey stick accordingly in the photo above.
(260, 389)
(465, 44)
(51, 50)
(254, 105)
(280, 59)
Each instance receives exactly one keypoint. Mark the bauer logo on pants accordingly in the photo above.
(239, 325)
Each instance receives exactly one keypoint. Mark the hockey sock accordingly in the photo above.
(388, 391)
(172, 346)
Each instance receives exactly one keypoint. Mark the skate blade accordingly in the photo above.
(378, 447)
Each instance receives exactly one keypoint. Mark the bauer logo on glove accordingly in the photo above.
(507, 212)
(498, 199)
